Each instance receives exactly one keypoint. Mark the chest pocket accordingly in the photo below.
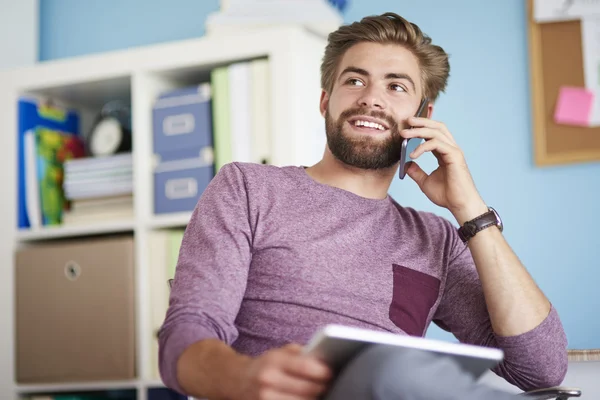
(413, 295)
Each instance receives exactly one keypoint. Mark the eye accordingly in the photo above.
(354, 82)
(397, 88)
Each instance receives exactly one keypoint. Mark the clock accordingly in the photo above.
(111, 132)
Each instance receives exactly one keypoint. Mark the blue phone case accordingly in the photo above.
(410, 144)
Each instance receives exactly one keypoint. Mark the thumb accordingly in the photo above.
(416, 173)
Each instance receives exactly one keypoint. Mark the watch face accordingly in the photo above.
(500, 224)
(106, 137)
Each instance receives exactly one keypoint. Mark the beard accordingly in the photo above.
(363, 152)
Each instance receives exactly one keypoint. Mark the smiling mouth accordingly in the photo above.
(368, 126)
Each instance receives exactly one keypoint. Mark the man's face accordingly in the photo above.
(377, 87)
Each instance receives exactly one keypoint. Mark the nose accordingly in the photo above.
(371, 97)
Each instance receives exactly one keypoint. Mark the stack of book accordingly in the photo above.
(241, 121)
(98, 189)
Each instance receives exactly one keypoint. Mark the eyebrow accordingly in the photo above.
(388, 76)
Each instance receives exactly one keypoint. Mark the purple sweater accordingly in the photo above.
(270, 256)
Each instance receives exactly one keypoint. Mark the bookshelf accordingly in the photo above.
(137, 76)
(174, 220)
(31, 235)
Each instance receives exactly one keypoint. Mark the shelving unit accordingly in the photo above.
(138, 384)
(174, 220)
(82, 386)
(75, 231)
(138, 76)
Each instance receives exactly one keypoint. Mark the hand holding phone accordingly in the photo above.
(410, 144)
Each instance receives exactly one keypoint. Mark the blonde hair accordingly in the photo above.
(388, 28)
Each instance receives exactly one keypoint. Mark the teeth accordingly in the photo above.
(369, 125)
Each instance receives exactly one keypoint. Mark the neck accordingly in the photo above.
(371, 184)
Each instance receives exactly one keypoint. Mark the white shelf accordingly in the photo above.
(77, 386)
(56, 232)
(178, 220)
(88, 386)
(153, 384)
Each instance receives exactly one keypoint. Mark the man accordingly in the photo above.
(271, 254)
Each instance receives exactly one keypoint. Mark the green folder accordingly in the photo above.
(220, 111)
(174, 244)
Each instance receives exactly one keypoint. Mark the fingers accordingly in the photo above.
(286, 373)
(427, 134)
(430, 135)
(416, 173)
(272, 394)
(285, 383)
(447, 152)
(436, 126)
(305, 365)
(308, 368)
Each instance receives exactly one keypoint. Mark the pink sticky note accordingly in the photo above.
(574, 106)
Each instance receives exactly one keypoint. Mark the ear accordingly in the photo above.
(323, 103)
(429, 110)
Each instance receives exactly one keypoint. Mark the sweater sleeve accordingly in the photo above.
(532, 360)
(211, 273)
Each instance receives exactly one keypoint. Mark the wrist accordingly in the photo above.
(211, 369)
(238, 370)
(469, 212)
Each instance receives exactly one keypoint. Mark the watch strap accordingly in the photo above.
(470, 228)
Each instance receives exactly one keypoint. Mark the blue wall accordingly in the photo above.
(74, 27)
(550, 213)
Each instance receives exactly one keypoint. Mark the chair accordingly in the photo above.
(552, 393)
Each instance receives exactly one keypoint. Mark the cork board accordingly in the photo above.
(556, 59)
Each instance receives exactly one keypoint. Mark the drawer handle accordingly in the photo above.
(72, 270)
(179, 124)
(181, 188)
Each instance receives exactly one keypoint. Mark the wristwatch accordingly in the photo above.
(470, 228)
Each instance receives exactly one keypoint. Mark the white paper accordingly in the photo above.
(590, 41)
(274, 10)
(564, 10)
(318, 15)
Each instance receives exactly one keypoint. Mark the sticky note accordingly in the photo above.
(574, 106)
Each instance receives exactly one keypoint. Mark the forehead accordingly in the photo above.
(381, 59)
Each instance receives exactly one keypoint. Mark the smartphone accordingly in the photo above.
(410, 144)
